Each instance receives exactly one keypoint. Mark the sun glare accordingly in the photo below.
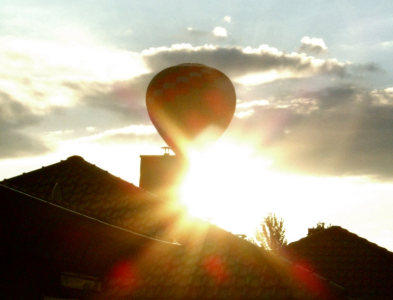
(233, 186)
(222, 184)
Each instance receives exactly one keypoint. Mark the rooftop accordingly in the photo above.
(74, 215)
(83, 187)
(362, 267)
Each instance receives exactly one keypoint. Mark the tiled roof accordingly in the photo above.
(78, 185)
(363, 268)
(209, 262)
(127, 265)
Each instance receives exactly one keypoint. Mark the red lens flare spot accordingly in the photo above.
(123, 278)
(215, 267)
(309, 280)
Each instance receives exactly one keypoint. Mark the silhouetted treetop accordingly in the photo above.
(271, 234)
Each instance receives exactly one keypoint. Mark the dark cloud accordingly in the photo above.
(349, 133)
(369, 67)
(337, 96)
(124, 98)
(342, 144)
(235, 61)
(14, 118)
(16, 144)
(312, 49)
(104, 106)
(13, 114)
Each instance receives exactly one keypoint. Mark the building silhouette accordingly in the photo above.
(72, 230)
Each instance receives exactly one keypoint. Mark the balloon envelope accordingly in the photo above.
(190, 101)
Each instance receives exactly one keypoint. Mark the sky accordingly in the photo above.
(314, 83)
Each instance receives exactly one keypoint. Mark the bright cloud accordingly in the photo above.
(220, 32)
(263, 77)
(228, 19)
(244, 114)
(33, 71)
(313, 45)
(248, 104)
(138, 130)
(387, 44)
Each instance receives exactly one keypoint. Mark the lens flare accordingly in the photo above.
(221, 185)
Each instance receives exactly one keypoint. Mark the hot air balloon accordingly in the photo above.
(190, 105)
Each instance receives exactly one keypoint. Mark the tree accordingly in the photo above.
(321, 226)
(271, 234)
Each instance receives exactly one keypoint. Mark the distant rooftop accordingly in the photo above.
(362, 267)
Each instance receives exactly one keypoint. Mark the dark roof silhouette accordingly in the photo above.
(45, 230)
(363, 268)
(78, 185)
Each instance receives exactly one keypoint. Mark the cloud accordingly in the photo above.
(355, 143)
(238, 61)
(264, 77)
(220, 32)
(14, 119)
(125, 98)
(340, 130)
(249, 104)
(127, 136)
(245, 109)
(17, 144)
(90, 129)
(124, 133)
(197, 32)
(386, 44)
(50, 87)
(313, 45)
(227, 19)
(33, 70)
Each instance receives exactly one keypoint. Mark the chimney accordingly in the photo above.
(162, 174)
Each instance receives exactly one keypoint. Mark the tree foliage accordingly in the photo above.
(271, 234)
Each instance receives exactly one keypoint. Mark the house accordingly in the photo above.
(363, 268)
(72, 230)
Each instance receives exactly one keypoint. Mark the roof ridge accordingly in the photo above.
(73, 159)
(339, 229)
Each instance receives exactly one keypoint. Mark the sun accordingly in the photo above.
(223, 184)
(234, 186)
